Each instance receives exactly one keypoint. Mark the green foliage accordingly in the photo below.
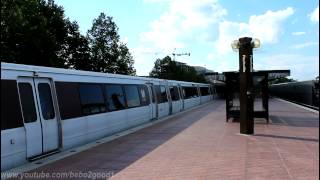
(167, 69)
(281, 80)
(76, 51)
(32, 32)
(125, 61)
(36, 32)
(108, 54)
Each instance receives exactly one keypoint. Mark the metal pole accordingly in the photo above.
(246, 96)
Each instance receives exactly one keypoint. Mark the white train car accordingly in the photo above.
(176, 103)
(205, 93)
(191, 94)
(45, 110)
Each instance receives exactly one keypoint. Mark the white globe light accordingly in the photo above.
(235, 45)
(255, 43)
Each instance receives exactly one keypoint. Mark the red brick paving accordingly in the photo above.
(199, 144)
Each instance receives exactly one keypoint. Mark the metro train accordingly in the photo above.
(305, 92)
(46, 110)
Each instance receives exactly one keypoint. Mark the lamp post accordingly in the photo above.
(245, 46)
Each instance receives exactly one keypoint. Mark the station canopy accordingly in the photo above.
(272, 74)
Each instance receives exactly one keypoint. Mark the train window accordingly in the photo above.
(11, 116)
(132, 95)
(176, 90)
(46, 101)
(144, 94)
(68, 100)
(186, 93)
(190, 92)
(92, 99)
(174, 93)
(27, 102)
(163, 93)
(204, 91)
(115, 97)
(196, 91)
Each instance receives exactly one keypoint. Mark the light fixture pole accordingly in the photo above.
(245, 46)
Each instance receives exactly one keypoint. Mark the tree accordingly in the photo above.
(108, 54)
(163, 68)
(32, 32)
(125, 61)
(167, 69)
(76, 51)
(35, 32)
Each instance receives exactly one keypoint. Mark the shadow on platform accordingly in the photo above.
(287, 137)
(295, 121)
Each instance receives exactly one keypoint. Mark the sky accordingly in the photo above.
(288, 31)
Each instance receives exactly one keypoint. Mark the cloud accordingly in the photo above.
(193, 21)
(144, 58)
(302, 67)
(163, 33)
(210, 56)
(197, 14)
(222, 63)
(229, 31)
(314, 15)
(298, 33)
(180, 22)
(155, 1)
(266, 27)
(304, 45)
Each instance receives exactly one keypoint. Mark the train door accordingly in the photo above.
(180, 98)
(40, 120)
(181, 91)
(163, 101)
(154, 104)
(169, 100)
(212, 92)
(199, 95)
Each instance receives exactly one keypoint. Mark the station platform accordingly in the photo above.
(200, 144)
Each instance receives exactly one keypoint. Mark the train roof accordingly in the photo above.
(42, 69)
(23, 67)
